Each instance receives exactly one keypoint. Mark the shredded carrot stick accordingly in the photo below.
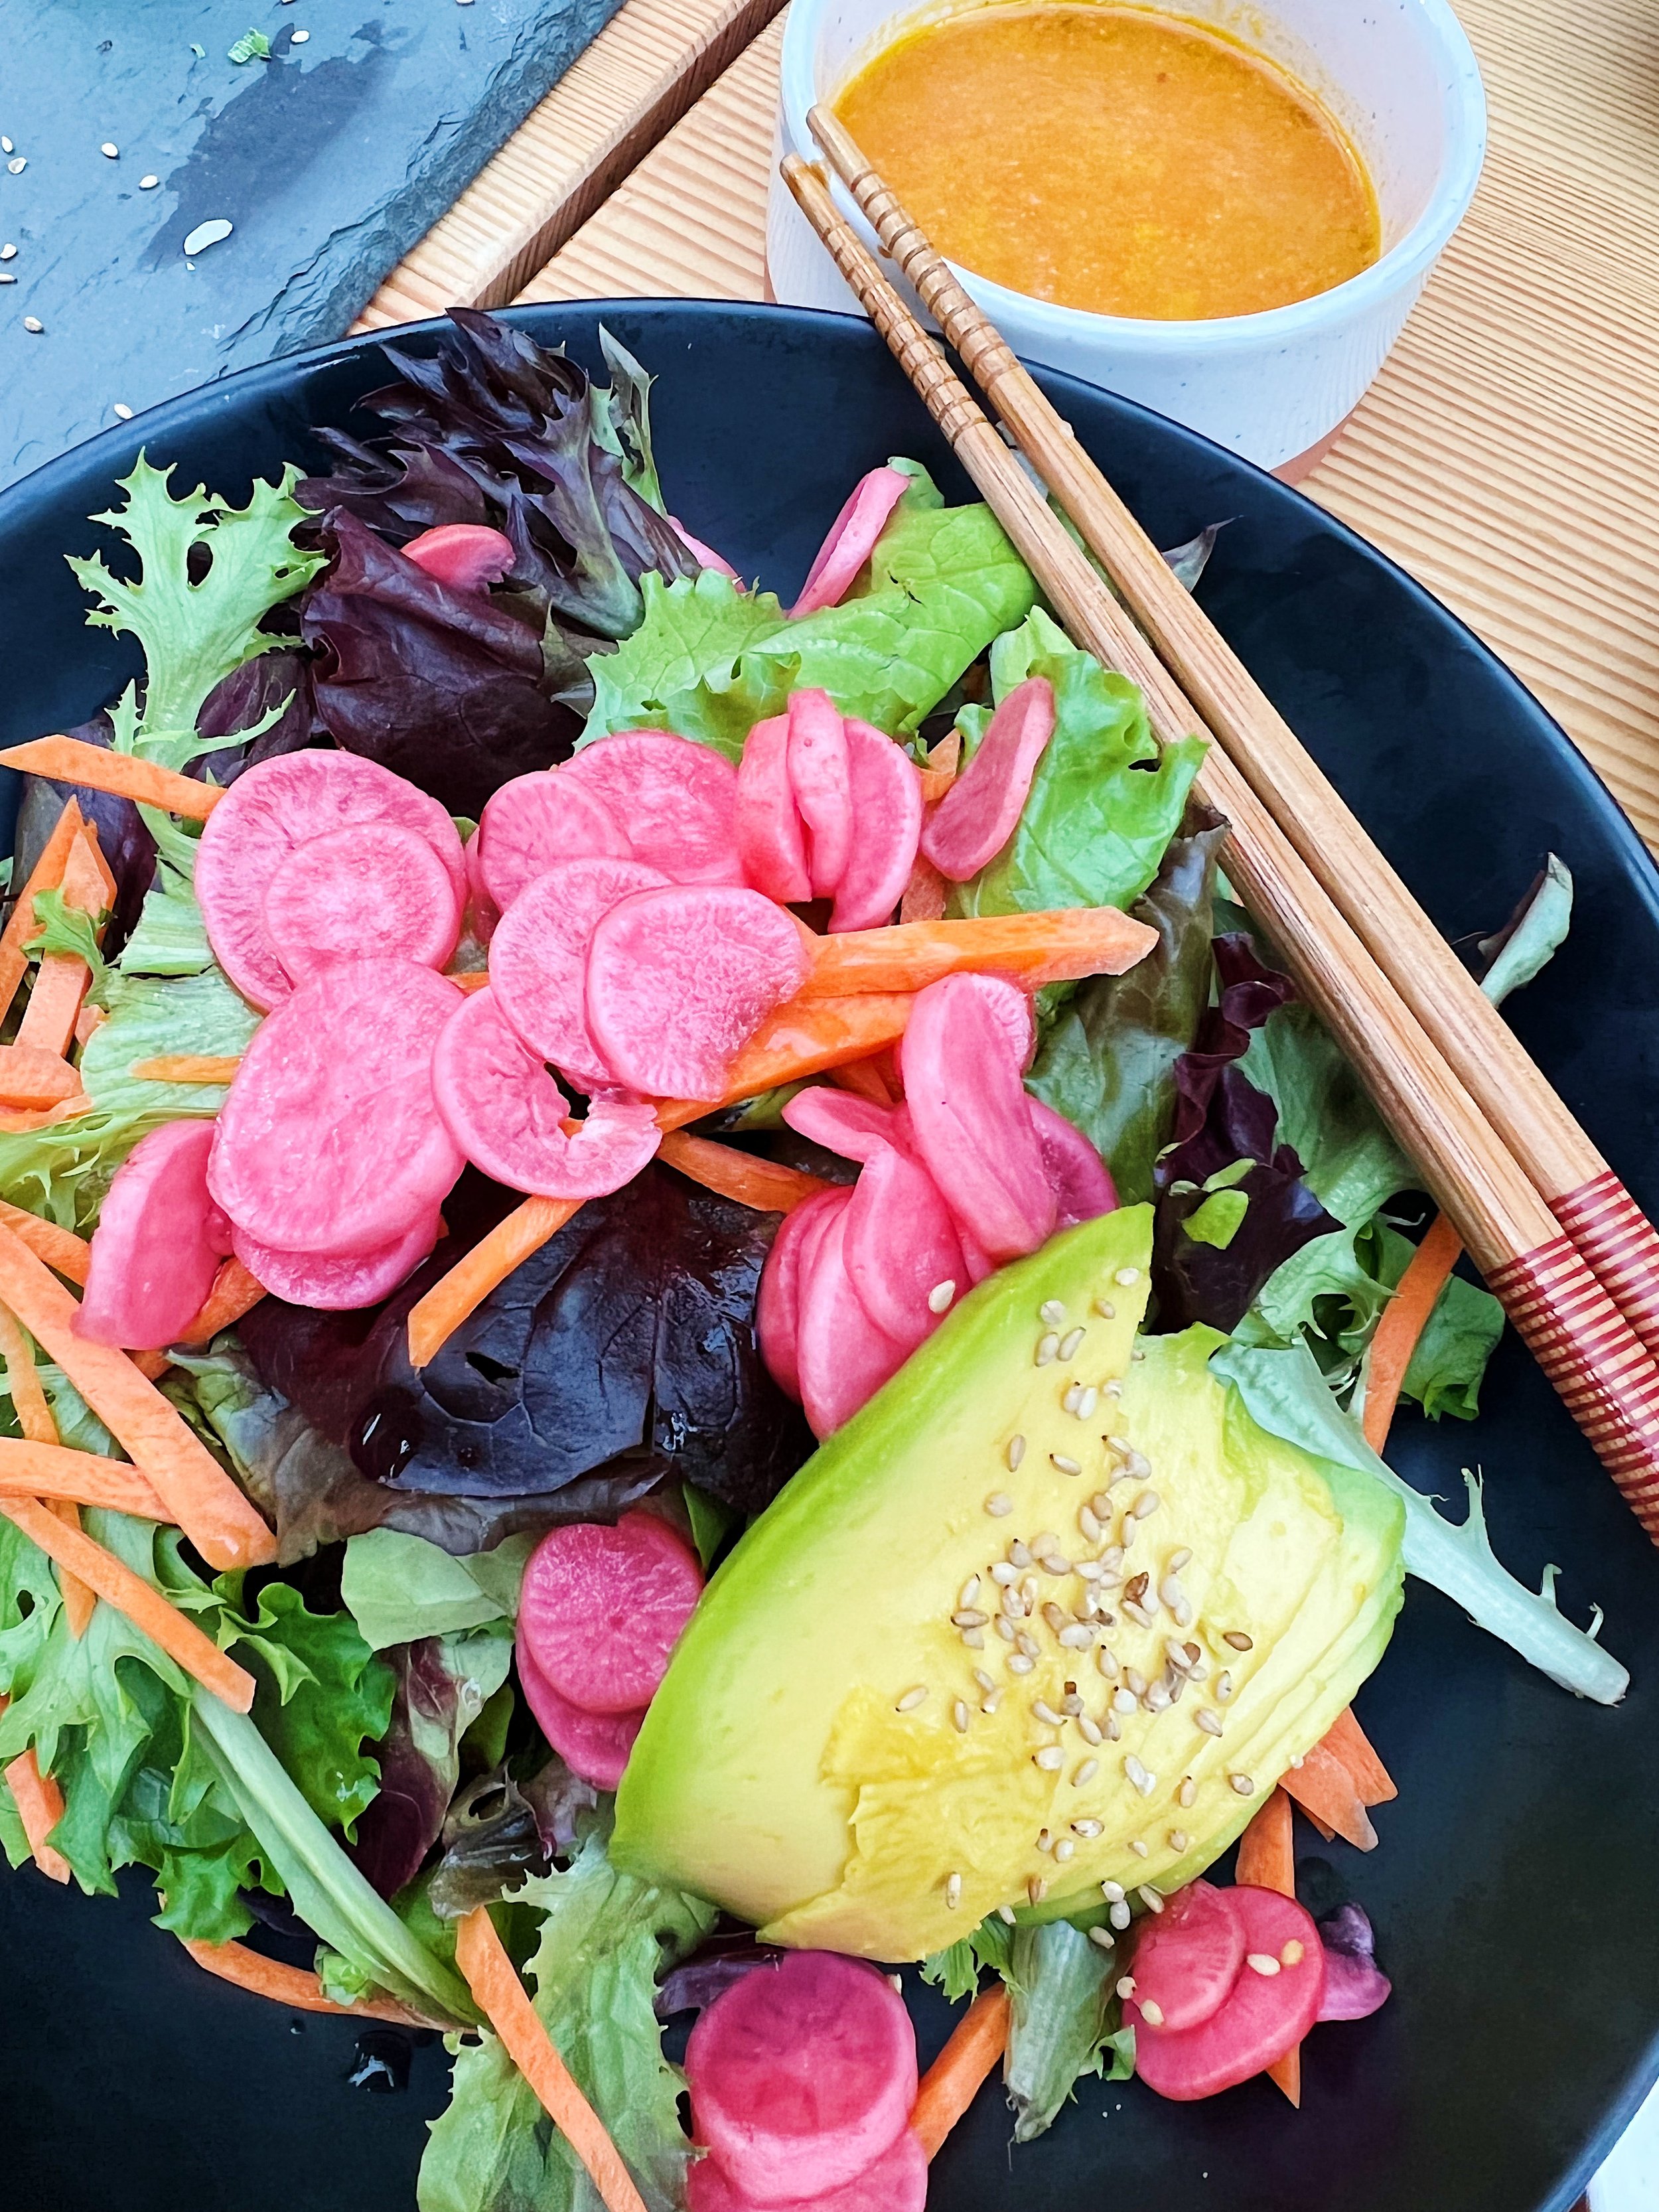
(1037, 948)
(767, 1186)
(144, 1606)
(61, 1248)
(1324, 1788)
(88, 1022)
(57, 1475)
(944, 763)
(434, 1319)
(1403, 1320)
(223, 1525)
(68, 760)
(15, 1119)
(293, 1986)
(468, 979)
(1266, 1860)
(235, 1292)
(864, 1079)
(803, 1038)
(46, 875)
(34, 1418)
(925, 894)
(62, 980)
(186, 1068)
(952, 2082)
(35, 1075)
(39, 1804)
(1347, 1741)
(493, 1981)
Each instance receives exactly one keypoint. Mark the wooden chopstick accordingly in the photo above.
(1604, 1375)
(1619, 1245)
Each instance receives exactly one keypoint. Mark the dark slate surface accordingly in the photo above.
(330, 159)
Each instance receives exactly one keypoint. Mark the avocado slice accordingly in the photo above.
(788, 1768)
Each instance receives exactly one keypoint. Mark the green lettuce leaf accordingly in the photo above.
(1104, 802)
(398, 1589)
(956, 1971)
(1351, 1163)
(1062, 2025)
(171, 938)
(603, 1939)
(69, 930)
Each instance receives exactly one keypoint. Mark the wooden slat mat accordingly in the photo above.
(1509, 454)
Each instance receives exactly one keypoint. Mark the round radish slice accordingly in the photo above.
(594, 1746)
(1273, 2001)
(1078, 1177)
(677, 802)
(466, 556)
(822, 782)
(777, 1306)
(375, 888)
(971, 1115)
(329, 1140)
(886, 793)
(1188, 1956)
(856, 1128)
(507, 1113)
(536, 821)
(706, 554)
(900, 1247)
(538, 958)
(158, 1243)
(337, 1283)
(601, 1609)
(898, 2182)
(844, 1357)
(852, 539)
(802, 2075)
(980, 812)
(267, 814)
(678, 979)
(771, 835)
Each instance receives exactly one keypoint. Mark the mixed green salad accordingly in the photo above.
(687, 1310)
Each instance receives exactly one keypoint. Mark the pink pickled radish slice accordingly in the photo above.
(594, 1745)
(329, 1140)
(506, 1113)
(466, 556)
(375, 888)
(158, 1243)
(679, 979)
(601, 1609)
(481, 910)
(340, 1282)
(970, 1114)
(1078, 1177)
(978, 815)
(676, 802)
(1263, 2015)
(856, 1128)
(802, 2075)
(1188, 1957)
(1013, 1008)
(536, 821)
(267, 814)
(538, 958)
(777, 1307)
(898, 2182)
(771, 835)
(822, 782)
(852, 539)
(886, 795)
(706, 554)
(844, 1357)
(901, 1248)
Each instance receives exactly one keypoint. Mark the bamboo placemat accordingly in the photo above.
(1507, 455)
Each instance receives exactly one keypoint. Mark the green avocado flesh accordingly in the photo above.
(787, 1769)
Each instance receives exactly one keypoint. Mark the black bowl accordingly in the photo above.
(1514, 1894)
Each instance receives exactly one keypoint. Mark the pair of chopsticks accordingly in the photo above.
(1556, 1237)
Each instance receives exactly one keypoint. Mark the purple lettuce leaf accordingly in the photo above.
(499, 1831)
(442, 1682)
(719, 1961)
(1355, 1987)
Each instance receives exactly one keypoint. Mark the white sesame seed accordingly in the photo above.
(1103, 1937)
(6, 146)
(1072, 1398)
(1054, 1563)
(1029, 1646)
(1135, 1772)
(1261, 1962)
(1150, 1898)
(1223, 1687)
(1089, 1729)
(997, 1504)
(959, 1715)
(1139, 1848)
(984, 1679)
(1004, 1627)
(1037, 1889)
(992, 1699)
(940, 1296)
(1087, 1770)
(1152, 2012)
(1241, 1783)
(1239, 1639)
(1016, 1453)
(122, 412)
(1178, 1839)
(1293, 1954)
(33, 325)
(912, 1698)
(1120, 1445)
(952, 1891)
(1066, 1464)
(1052, 1311)
(1145, 1505)
(1047, 1347)
(147, 184)
(1019, 1664)
(17, 165)
(1137, 1354)
(969, 1591)
(1045, 1712)
(1070, 1343)
(110, 150)
(1071, 1704)
(1119, 1916)
(1179, 1559)
(1126, 1278)
(1090, 1522)
(1006, 1913)
(1126, 1988)
(1045, 1842)
(1209, 1721)
(1064, 1849)
(6, 277)
(9, 251)
(1111, 1728)
(1003, 1573)
(1087, 1828)
(1105, 1308)
(973, 1639)
(1157, 1698)
(1106, 1660)
(1019, 1554)
(970, 1616)
(1076, 1636)
(1125, 1701)
(1113, 1389)
(1188, 1793)
(1049, 1758)
(1170, 1594)
(298, 38)
(1137, 1466)
(1087, 1400)
(1089, 1570)
(1112, 1891)
(1139, 1614)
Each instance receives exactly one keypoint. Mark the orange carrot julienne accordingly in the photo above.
(15, 1120)
(39, 1804)
(493, 1981)
(943, 763)
(864, 1079)
(34, 1418)
(97, 768)
(223, 1525)
(57, 1475)
(925, 894)
(36, 1075)
(1325, 1790)
(62, 980)
(805, 1036)
(469, 979)
(1347, 1741)
(293, 1986)
(130, 1593)
(1403, 1320)
(88, 1022)
(766, 1185)
(46, 875)
(1266, 1860)
(434, 1319)
(186, 1068)
(952, 2082)
(235, 1291)
(61, 1248)
(1037, 948)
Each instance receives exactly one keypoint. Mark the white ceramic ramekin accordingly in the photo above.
(1398, 75)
